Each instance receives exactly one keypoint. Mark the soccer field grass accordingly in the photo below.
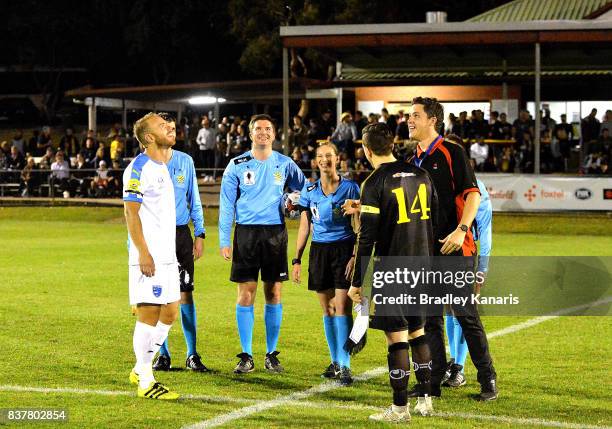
(67, 340)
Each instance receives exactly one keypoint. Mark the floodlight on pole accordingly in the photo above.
(205, 99)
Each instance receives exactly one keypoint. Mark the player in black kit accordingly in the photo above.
(398, 205)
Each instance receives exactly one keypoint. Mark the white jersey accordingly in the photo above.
(148, 182)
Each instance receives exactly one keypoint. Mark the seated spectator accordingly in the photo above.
(101, 155)
(362, 166)
(100, 183)
(89, 151)
(605, 142)
(5, 147)
(525, 153)
(490, 164)
(3, 166)
(507, 163)
(479, 152)
(69, 144)
(47, 159)
(117, 148)
(344, 170)
(596, 163)
(115, 180)
(29, 179)
(60, 175)
(44, 142)
(16, 161)
(80, 176)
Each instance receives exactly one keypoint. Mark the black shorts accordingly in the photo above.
(184, 255)
(397, 323)
(327, 263)
(259, 247)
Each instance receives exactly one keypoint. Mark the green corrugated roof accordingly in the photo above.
(535, 10)
(374, 76)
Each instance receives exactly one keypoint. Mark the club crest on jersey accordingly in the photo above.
(180, 179)
(403, 174)
(278, 178)
(249, 177)
(157, 290)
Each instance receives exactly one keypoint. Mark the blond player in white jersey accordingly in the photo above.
(148, 196)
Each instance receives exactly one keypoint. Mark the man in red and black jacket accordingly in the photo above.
(458, 198)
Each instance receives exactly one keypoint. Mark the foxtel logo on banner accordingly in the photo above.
(532, 194)
(500, 194)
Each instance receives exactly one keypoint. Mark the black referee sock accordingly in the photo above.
(421, 357)
(399, 372)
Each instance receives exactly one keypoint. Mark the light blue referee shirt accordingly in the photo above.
(483, 229)
(252, 191)
(328, 222)
(186, 192)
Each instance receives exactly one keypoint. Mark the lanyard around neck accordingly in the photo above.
(418, 161)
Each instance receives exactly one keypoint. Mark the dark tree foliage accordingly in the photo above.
(255, 23)
(156, 42)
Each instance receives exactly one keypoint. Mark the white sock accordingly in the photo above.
(160, 335)
(399, 409)
(142, 341)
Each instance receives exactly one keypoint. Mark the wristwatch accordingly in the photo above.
(202, 236)
(463, 227)
(296, 261)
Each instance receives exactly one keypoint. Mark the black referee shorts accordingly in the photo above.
(327, 263)
(259, 248)
(184, 255)
(397, 323)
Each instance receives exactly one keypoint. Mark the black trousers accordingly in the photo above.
(476, 340)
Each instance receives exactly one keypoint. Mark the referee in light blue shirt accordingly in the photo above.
(251, 193)
(331, 255)
(188, 207)
(482, 230)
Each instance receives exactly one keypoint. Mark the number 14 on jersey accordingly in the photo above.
(419, 204)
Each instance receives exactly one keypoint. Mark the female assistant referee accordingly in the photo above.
(331, 254)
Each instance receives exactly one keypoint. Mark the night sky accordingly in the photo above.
(114, 42)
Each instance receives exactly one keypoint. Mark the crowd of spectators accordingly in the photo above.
(71, 165)
(90, 165)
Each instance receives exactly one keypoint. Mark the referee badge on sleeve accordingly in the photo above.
(249, 177)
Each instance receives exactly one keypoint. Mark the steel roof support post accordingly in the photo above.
(538, 102)
(338, 94)
(285, 134)
(216, 118)
(123, 114)
(504, 81)
(91, 115)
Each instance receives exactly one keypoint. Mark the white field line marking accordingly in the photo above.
(503, 419)
(523, 421)
(205, 398)
(328, 386)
